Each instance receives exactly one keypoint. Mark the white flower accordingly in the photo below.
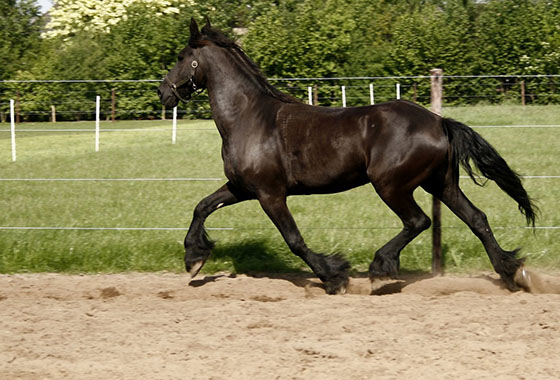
(70, 16)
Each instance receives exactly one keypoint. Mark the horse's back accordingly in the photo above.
(334, 149)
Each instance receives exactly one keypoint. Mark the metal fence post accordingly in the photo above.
(13, 129)
(97, 117)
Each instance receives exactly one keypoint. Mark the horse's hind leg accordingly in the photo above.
(197, 245)
(332, 270)
(386, 261)
(506, 263)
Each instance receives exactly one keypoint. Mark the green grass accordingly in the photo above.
(354, 223)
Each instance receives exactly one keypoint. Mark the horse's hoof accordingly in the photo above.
(379, 283)
(337, 286)
(195, 268)
(530, 281)
(342, 290)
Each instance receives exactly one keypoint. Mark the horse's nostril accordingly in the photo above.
(159, 92)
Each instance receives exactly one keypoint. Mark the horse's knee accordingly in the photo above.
(201, 210)
(418, 224)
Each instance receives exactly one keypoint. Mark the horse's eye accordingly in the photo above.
(180, 58)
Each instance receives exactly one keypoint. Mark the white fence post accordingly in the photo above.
(310, 95)
(398, 90)
(343, 96)
(174, 134)
(371, 95)
(13, 129)
(97, 109)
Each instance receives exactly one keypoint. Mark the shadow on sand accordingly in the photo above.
(255, 258)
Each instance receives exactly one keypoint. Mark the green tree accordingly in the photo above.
(508, 32)
(20, 25)
(306, 39)
(434, 36)
(517, 38)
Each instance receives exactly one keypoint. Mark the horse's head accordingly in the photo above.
(187, 76)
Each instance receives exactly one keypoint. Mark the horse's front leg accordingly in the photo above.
(332, 270)
(197, 245)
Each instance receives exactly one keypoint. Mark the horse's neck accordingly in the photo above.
(234, 96)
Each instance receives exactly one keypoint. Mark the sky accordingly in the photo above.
(45, 5)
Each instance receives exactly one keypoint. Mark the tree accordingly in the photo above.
(20, 24)
(302, 39)
(434, 36)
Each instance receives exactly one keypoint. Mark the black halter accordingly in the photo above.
(189, 81)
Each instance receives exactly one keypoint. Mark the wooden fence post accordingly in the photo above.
(316, 95)
(113, 104)
(18, 118)
(522, 92)
(436, 76)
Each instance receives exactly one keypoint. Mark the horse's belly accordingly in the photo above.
(325, 179)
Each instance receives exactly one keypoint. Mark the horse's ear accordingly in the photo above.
(195, 33)
(207, 29)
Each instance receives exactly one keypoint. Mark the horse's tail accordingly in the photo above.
(466, 145)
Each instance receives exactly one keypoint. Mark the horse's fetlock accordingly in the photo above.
(383, 268)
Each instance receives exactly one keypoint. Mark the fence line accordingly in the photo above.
(214, 129)
(518, 126)
(503, 76)
(111, 179)
(187, 179)
(34, 102)
(112, 130)
(49, 228)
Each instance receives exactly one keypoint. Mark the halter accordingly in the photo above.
(189, 81)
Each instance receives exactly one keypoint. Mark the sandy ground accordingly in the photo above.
(157, 326)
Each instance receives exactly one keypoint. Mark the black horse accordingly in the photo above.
(275, 146)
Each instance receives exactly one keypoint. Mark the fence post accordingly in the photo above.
(310, 95)
(53, 113)
(398, 86)
(97, 109)
(343, 96)
(371, 95)
(174, 132)
(113, 104)
(522, 92)
(436, 78)
(13, 129)
(18, 118)
(316, 94)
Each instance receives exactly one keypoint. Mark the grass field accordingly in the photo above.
(354, 223)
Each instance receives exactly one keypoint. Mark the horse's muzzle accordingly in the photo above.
(166, 97)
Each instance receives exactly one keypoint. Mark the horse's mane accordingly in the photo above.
(218, 38)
